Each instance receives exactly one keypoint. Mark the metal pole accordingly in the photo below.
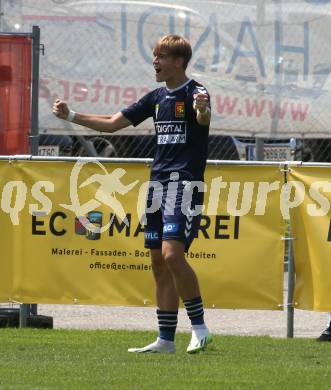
(259, 149)
(24, 314)
(260, 20)
(290, 273)
(27, 309)
(34, 140)
(279, 73)
(1, 15)
(290, 287)
(34, 136)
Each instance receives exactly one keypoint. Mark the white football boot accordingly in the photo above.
(159, 346)
(201, 337)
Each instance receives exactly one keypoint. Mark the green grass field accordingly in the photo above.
(76, 359)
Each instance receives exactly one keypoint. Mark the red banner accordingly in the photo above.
(15, 93)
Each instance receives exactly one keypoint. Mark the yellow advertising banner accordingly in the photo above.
(310, 213)
(72, 233)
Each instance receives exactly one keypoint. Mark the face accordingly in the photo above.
(165, 66)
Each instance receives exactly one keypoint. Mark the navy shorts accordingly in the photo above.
(173, 212)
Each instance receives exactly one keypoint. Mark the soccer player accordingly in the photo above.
(181, 114)
(326, 335)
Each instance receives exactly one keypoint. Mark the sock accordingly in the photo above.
(194, 308)
(329, 320)
(167, 324)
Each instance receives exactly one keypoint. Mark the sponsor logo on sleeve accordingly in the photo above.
(170, 228)
(151, 235)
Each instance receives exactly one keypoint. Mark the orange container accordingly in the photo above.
(15, 93)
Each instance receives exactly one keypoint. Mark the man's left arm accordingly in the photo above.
(202, 107)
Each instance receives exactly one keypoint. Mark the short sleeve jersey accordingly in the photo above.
(182, 143)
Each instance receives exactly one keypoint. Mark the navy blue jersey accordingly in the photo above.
(182, 143)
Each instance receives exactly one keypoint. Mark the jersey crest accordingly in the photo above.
(180, 110)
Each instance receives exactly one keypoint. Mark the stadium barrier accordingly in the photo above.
(238, 254)
(19, 101)
(311, 229)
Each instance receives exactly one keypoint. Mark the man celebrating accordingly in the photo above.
(181, 113)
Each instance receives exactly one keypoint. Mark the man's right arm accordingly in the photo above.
(105, 123)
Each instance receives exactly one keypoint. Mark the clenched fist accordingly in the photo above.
(200, 102)
(60, 109)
